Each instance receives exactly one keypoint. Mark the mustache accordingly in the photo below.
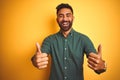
(65, 21)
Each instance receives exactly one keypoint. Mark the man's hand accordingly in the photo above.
(40, 60)
(95, 61)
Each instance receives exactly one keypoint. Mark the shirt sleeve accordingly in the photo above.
(45, 48)
(88, 46)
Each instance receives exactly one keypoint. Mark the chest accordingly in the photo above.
(67, 47)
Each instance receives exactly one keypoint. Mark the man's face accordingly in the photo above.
(65, 19)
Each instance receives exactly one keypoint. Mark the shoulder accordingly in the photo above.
(51, 37)
(80, 35)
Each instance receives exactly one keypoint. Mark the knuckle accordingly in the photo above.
(46, 62)
(95, 65)
(44, 54)
(38, 64)
(46, 58)
(98, 61)
(98, 57)
(95, 68)
(38, 56)
(41, 67)
(38, 60)
(44, 66)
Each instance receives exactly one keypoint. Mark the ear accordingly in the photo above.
(73, 17)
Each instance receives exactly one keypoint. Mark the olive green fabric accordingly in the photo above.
(67, 54)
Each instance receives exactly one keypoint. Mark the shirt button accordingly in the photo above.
(65, 48)
(65, 77)
(66, 40)
(65, 58)
(65, 67)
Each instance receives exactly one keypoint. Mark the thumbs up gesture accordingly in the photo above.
(95, 61)
(40, 60)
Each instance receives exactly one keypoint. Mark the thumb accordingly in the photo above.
(38, 48)
(100, 50)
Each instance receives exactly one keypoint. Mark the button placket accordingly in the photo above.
(65, 60)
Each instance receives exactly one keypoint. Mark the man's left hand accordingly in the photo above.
(95, 61)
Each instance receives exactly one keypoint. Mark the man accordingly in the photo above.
(67, 48)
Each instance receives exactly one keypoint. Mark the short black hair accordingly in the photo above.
(63, 5)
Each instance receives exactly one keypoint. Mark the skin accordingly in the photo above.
(40, 60)
(65, 19)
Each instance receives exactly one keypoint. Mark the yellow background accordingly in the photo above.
(25, 22)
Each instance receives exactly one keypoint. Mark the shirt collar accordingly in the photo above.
(70, 34)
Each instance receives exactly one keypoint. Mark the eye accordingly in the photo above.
(69, 15)
(60, 15)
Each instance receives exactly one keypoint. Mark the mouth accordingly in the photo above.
(65, 23)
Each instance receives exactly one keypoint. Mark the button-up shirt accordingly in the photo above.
(67, 54)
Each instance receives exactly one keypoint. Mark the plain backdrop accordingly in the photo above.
(25, 22)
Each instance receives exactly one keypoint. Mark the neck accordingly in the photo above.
(65, 33)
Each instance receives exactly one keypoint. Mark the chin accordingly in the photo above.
(65, 29)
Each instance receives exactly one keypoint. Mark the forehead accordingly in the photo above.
(64, 11)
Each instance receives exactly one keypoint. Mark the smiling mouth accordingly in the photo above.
(65, 23)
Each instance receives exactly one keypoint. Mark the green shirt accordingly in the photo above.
(67, 54)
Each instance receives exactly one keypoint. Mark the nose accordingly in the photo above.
(65, 18)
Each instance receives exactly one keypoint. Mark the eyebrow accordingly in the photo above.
(63, 14)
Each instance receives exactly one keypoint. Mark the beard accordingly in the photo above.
(65, 25)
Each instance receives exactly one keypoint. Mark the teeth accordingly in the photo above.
(65, 23)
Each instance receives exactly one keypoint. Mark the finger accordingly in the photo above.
(42, 59)
(100, 50)
(90, 66)
(38, 48)
(42, 63)
(92, 63)
(44, 55)
(94, 55)
(93, 59)
(41, 67)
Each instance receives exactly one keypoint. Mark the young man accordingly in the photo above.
(67, 48)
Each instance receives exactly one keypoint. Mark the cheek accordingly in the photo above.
(59, 20)
(71, 19)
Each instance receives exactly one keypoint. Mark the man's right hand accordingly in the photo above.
(40, 60)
